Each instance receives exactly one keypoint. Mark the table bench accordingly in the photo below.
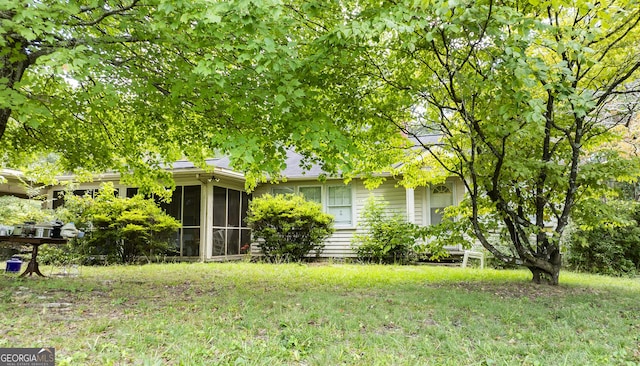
(32, 267)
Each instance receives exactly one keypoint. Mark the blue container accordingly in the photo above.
(13, 265)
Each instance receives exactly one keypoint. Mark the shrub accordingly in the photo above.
(287, 227)
(58, 254)
(15, 210)
(389, 237)
(121, 229)
(608, 248)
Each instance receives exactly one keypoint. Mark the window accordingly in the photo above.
(184, 207)
(131, 192)
(441, 196)
(191, 206)
(219, 206)
(58, 196)
(173, 208)
(313, 194)
(310, 193)
(336, 200)
(440, 189)
(339, 204)
(282, 190)
(58, 199)
(230, 231)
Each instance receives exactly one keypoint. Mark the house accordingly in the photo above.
(212, 206)
(11, 183)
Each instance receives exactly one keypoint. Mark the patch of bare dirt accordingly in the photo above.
(515, 290)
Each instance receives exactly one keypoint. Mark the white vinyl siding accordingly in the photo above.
(394, 196)
(339, 244)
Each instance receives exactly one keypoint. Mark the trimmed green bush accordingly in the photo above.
(389, 237)
(287, 227)
(122, 229)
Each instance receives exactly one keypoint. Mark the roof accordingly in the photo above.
(295, 169)
(222, 163)
(426, 140)
(10, 173)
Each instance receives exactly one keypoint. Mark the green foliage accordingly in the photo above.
(14, 210)
(628, 191)
(523, 94)
(610, 247)
(523, 97)
(133, 87)
(287, 227)
(389, 238)
(120, 228)
(59, 254)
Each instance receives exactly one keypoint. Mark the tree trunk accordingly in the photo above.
(541, 276)
(5, 113)
(14, 62)
(550, 274)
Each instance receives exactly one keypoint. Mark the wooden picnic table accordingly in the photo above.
(32, 267)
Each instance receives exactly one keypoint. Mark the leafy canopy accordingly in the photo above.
(524, 93)
(15, 210)
(524, 96)
(136, 85)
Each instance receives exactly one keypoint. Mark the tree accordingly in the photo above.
(522, 94)
(609, 248)
(133, 85)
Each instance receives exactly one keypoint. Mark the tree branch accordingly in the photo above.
(103, 16)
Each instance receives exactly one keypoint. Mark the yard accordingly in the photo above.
(321, 314)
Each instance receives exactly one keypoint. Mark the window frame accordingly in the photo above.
(180, 235)
(428, 202)
(326, 206)
(57, 196)
(166, 208)
(324, 196)
(322, 192)
(223, 232)
(282, 188)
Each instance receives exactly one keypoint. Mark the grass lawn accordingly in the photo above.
(321, 314)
